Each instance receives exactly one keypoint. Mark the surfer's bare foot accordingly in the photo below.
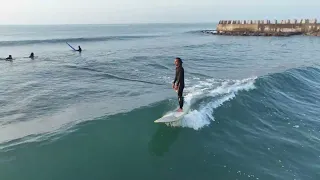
(180, 110)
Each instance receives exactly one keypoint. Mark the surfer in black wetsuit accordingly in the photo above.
(31, 55)
(9, 58)
(79, 49)
(178, 83)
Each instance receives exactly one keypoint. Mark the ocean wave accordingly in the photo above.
(291, 96)
(278, 95)
(215, 93)
(63, 40)
(267, 104)
(301, 84)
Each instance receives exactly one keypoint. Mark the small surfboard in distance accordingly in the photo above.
(71, 46)
(173, 116)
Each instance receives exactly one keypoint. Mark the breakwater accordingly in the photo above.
(267, 28)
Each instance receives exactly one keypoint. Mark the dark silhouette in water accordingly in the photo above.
(31, 55)
(79, 49)
(9, 58)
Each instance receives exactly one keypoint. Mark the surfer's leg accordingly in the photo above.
(181, 102)
(180, 97)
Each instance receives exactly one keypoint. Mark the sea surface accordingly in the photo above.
(65, 115)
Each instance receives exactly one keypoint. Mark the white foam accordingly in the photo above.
(197, 119)
(220, 90)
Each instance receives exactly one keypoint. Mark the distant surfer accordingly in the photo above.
(31, 55)
(79, 49)
(9, 58)
(178, 83)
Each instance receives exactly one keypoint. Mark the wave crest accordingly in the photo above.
(211, 94)
(63, 40)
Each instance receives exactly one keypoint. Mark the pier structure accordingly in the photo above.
(268, 28)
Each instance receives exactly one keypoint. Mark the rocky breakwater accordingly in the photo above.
(267, 28)
(313, 33)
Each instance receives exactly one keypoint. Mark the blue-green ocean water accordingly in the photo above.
(64, 115)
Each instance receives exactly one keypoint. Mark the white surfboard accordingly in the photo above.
(173, 116)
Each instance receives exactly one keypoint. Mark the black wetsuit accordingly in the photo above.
(179, 80)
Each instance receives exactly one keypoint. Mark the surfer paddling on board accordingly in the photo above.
(9, 58)
(178, 83)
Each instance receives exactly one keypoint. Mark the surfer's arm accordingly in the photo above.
(175, 79)
(178, 76)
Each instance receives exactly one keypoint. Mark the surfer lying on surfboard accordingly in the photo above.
(178, 83)
(7, 59)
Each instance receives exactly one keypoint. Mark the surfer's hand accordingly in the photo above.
(173, 86)
(176, 88)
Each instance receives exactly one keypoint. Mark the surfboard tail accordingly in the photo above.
(173, 116)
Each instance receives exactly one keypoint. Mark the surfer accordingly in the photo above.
(178, 83)
(31, 55)
(79, 49)
(9, 58)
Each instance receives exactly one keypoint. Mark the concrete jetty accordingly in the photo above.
(267, 28)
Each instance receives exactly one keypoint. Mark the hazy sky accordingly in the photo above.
(150, 11)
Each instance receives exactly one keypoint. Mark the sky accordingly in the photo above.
(151, 11)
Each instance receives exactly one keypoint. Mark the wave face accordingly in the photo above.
(245, 125)
(287, 91)
(275, 116)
